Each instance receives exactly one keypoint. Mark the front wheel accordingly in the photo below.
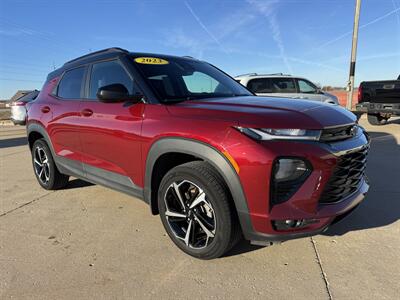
(196, 211)
(377, 119)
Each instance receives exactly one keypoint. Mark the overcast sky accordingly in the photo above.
(310, 38)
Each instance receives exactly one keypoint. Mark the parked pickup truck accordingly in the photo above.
(379, 99)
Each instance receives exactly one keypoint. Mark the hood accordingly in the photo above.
(330, 95)
(267, 112)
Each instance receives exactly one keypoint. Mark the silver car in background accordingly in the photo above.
(18, 109)
(287, 86)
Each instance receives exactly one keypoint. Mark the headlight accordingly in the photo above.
(280, 134)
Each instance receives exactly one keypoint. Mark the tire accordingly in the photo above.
(212, 222)
(377, 120)
(45, 169)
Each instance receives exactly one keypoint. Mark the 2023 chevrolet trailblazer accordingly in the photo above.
(216, 162)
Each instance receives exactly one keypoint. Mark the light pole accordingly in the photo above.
(350, 85)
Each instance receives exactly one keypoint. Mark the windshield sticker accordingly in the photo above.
(151, 61)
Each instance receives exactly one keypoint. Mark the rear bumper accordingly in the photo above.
(326, 215)
(18, 115)
(377, 108)
(18, 122)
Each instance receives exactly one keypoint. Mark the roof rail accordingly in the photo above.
(279, 74)
(256, 74)
(108, 50)
(247, 74)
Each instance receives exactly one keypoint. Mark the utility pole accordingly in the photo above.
(350, 85)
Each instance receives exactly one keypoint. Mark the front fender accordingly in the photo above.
(206, 153)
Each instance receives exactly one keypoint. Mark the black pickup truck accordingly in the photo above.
(379, 99)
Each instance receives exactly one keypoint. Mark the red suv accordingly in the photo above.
(216, 162)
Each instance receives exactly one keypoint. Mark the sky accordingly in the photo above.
(310, 38)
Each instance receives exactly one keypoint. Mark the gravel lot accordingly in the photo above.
(5, 113)
(87, 241)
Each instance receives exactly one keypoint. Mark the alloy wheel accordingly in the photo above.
(189, 214)
(41, 165)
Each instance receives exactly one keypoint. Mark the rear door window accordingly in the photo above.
(260, 85)
(71, 84)
(283, 85)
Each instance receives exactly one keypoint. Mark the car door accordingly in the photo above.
(111, 135)
(309, 91)
(63, 126)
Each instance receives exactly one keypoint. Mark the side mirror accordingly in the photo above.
(116, 93)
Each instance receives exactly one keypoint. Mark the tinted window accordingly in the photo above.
(180, 79)
(283, 85)
(71, 84)
(106, 73)
(306, 87)
(260, 85)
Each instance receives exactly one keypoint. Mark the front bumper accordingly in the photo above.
(327, 214)
(379, 108)
(305, 204)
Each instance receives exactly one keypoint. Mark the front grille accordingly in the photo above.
(346, 177)
(338, 133)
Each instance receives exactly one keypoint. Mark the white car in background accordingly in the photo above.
(18, 109)
(287, 86)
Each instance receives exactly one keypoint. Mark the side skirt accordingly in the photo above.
(99, 176)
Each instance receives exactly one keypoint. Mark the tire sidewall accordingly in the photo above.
(223, 220)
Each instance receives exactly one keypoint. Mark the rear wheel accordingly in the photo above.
(196, 211)
(377, 119)
(45, 169)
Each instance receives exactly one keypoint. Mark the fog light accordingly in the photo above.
(292, 224)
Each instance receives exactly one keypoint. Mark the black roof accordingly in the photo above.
(104, 54)
(97, 55)
(93, 56)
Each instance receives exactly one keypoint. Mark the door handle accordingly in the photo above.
(86, 112)
(45, 109)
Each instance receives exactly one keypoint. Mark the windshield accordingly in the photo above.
(178, 79)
